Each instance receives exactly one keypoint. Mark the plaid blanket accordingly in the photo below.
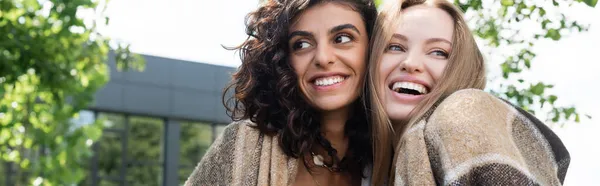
(474, 138)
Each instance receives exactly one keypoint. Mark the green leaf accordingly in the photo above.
(553, 34)
(591, 3)
(520, 7)
(538, 89)
(556, 115)
(476, 4)
(507, 2)
(503, 11)
(542, 101)
(552, 98)
(542, 12)
(568, 112)
(93, 132)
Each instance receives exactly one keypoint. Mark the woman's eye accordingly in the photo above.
(300, 45)
(395, 48)
(440, 53)
(342, 39)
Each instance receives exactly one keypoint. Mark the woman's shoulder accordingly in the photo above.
(471, 120)
(241, 124)
(472, 127)
(470, 105)
(238, 129)
(231, 137)
(218, 164)
(472, 100)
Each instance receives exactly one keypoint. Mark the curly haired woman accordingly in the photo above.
(300, 117)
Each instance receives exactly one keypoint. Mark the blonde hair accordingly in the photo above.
(465, 69)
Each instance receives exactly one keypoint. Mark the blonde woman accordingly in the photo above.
(427, 76)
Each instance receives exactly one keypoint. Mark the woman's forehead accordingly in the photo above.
(326, 15)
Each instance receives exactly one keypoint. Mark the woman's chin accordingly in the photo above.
(399, 114)
(330, 103)
(329, 107)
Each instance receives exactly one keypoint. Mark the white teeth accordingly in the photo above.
(409, 85)
(412, 86)
(326, 81)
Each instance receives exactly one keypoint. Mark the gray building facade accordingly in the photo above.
(167, 88)
(159, 122)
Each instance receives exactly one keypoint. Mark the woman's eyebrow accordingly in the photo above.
(342, 27)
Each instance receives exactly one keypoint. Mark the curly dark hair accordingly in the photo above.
(266, 90)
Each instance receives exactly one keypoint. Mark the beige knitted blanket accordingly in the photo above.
(474, 138)
(243, 156)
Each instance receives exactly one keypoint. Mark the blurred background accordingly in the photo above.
(128, 92)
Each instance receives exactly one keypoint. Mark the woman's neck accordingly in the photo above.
(333, 124)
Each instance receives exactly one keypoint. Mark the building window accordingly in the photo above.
(195, 139)
(109, 149)
(145, 151)
(130, 151)
(5, 173)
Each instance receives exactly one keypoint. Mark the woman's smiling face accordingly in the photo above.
(415, 59)
(328, 49)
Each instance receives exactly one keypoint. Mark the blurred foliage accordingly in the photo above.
(499, 23)
(504, 29)
(52, 61)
